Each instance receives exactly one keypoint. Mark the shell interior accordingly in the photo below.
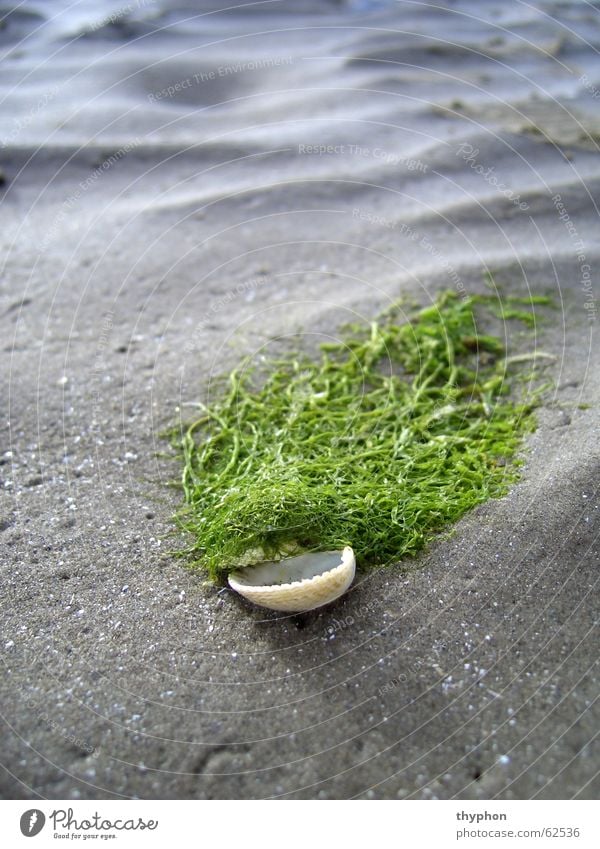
(289, 570)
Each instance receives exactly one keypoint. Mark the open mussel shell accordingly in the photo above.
(297, 584)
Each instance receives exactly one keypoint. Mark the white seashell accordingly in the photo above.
(296, 584)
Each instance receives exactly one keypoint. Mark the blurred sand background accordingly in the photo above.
(181, 185)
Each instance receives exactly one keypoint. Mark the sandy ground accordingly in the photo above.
(182, 185)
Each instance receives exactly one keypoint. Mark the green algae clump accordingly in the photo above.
(379, 442)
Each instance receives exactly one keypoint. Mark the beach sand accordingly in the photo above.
(184, 187)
